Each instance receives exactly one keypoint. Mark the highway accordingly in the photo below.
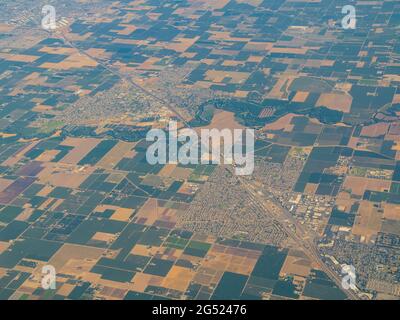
(299, 235)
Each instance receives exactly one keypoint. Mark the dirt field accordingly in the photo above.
(375, 130)
(283, 123)
(358, 185)
(369, 221)
(82, 146)
(335, 101)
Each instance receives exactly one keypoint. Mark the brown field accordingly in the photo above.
(24, 215)
(128, 29)
(48, 155)
(7, 135)
(5, 183)
(63, 176)
(56, 204)
(316, 63)
(391, 77)
(289, 50)
(353, 142)
(203, 84)
(396, 99)
(209, 62)
(3, 247)
(241, 94)
(358, 185)
(375, 130)
(188, 188)
(279, 91)
(395, 129)
(142, 280)
(151, 212)
(222, 120)
(344, 201)
(45, 191)
(300, 96)
(259, 46)
(120, 214)
(115, 177)
(387, 290)
(130, 41)
(257, 59)
(76, 252)
(82, 146)
(283, 123)
(58, 50)
(115, 155)
(369, 221)
(80, 268)
(98, 53)
(204, 238)
(224, 35)
(18, 57)
(79, 37)
(397, 158)
(210, 4)
(43, 109)
(207, 276)
(236, 260)
(35, 78)
(217, 76)
(18, 155)
(167, 170)
(311, 188)
(74, 61)
(150, 64)
(181, 173)
(50, 202)
(296, 263)
(204, 279)
(391, 211)
(254, 3)
(232, 63)
(391, 226)
(65, 289)
(345, 87)
(6, 27)
(104, 237)
(144, 250)
(179, 44)
(178, 278)
(192, 55)
(335, 101)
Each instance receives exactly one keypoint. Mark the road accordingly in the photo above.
(305, 239)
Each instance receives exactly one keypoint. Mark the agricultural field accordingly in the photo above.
(78, 193)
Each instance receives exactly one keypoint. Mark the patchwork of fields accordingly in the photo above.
(76, 190)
